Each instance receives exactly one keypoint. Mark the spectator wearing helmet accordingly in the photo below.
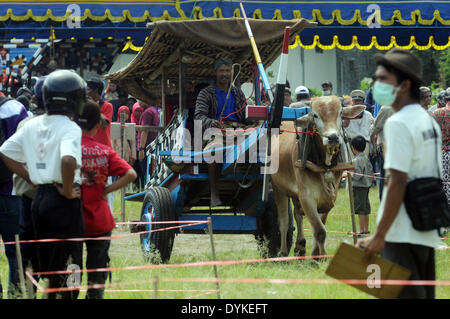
(51, 147)
(25, 101)
(303, 97)
(24, 91)
(37, 98)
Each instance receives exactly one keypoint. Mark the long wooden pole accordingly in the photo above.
(20, 264)
(122, 142)
(352, 206)
(213, 251)
(266, 85)
(162, 118)
(258, 60)
(181, 82)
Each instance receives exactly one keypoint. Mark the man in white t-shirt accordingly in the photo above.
(411, 153)
(362, 124)
(50, 145)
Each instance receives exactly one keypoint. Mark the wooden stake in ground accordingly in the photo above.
(122, 144)
(155, 287)
(19, 262)
(352, 206)
(29, 285)
(213, 251)
(46, 287)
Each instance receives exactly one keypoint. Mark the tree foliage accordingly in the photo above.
(444, 65)
(436, 67)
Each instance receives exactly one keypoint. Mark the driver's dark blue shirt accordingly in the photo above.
(221, 96)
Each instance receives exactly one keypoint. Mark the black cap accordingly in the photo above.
(96, 84)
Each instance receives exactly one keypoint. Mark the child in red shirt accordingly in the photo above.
(99, 162)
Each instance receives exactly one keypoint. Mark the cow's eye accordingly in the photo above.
(315, 116)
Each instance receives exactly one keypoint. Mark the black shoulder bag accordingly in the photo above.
(426, 202)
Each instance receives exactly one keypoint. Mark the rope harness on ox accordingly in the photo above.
(311, 157)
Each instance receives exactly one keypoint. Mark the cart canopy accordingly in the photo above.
(198, 43)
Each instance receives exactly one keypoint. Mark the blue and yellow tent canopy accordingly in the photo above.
(343, 24)
(343, 12)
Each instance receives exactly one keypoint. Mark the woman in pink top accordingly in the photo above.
(136, 113)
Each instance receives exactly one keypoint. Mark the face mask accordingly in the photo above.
(326, 92)
(384, 94)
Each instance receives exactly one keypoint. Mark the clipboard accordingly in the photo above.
(351, 262)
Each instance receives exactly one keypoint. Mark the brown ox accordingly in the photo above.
(313, 189)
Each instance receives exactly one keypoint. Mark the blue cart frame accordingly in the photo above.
(176, 180)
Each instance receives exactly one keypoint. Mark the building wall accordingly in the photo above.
(353, 66)
(345, 69)
(316, 68)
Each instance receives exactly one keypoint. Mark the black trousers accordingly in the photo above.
(54, 216)
(28, 250)
(141, 170)
(420, 261)
(97, 257)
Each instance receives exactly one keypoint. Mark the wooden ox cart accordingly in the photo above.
(175, 61)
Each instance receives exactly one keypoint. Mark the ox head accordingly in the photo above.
(326, 116)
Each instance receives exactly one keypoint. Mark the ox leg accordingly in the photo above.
(283, 220)
(319, 231)
(300, 244)
(323, 217)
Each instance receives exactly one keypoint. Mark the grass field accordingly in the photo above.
(138, 284)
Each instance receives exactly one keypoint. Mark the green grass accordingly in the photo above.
(188, 248)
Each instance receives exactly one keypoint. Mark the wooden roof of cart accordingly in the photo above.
(198, 43)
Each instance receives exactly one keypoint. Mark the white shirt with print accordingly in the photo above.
(41, 143)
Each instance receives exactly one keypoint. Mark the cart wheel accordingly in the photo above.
(267, 235)
(157, 207)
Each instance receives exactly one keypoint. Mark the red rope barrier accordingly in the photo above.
(386, 282)
(196, 264)
(51, 240)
